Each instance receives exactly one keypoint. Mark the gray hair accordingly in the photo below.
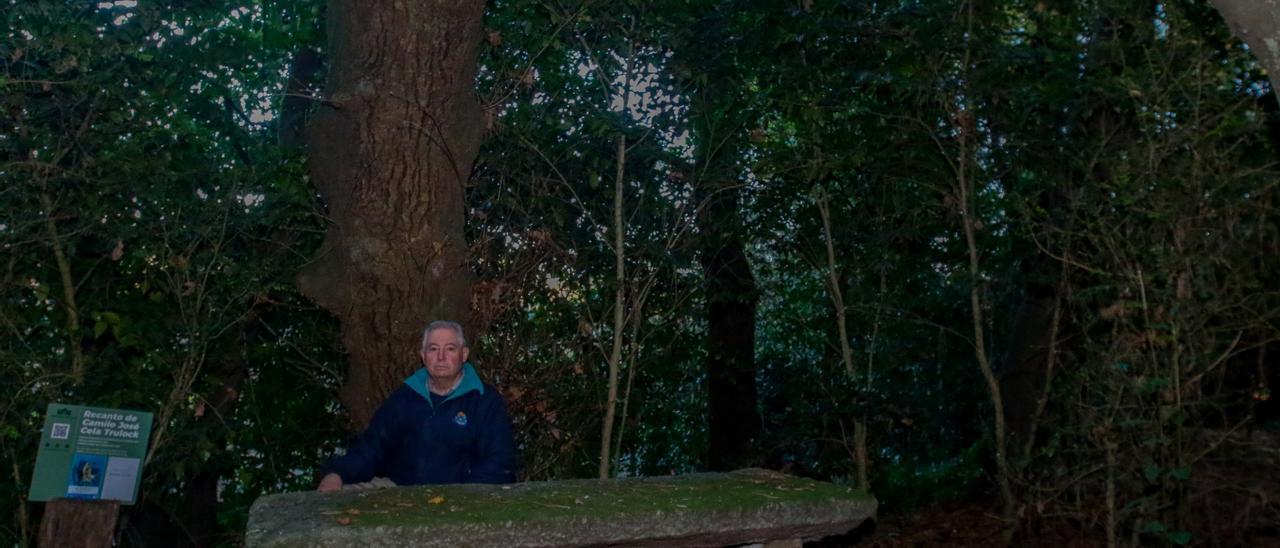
(444, 324)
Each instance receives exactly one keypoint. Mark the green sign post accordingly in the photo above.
(90, 453)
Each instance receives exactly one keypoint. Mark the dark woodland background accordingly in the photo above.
(1016, 254)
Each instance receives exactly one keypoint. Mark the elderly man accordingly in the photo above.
(443, 426)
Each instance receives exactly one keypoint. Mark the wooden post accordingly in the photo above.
(79, 523)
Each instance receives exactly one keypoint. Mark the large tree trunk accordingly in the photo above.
(1257, 22)
(200, 512)
(1038, 323)
(1023, 378)
(734, 421)
(390, 154)
(74, 523)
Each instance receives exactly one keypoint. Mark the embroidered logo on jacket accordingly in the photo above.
(460, 419)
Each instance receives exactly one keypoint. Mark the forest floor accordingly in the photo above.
(954, 524)
(969, 524)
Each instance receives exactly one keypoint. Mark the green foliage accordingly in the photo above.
(1121, 155)
(151, 231)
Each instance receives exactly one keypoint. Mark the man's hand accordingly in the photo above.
(330, 482)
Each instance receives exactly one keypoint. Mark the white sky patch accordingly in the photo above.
(644, 96)
(259, 106)
(642, 92)
(1160, 22)
(252, 199)
(261, 116)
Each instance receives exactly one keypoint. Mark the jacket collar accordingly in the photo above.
(470, 382)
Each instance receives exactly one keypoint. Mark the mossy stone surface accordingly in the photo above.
(691, 510)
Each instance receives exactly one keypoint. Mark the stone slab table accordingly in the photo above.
(711, 509)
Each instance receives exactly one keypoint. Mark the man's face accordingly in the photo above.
(444, 355)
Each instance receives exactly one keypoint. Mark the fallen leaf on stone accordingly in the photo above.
(353, 511)
(344, 520)
(435, 500)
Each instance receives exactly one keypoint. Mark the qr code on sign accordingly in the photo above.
(61, 431)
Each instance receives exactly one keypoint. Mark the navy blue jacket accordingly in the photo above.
(466, 438)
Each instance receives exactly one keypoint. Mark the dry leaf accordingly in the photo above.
(514, 393)
(435, 500)
(344, 520)
(1116, 310)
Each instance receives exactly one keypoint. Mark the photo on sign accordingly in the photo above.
(87, 473)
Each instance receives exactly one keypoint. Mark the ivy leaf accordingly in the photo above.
(1151, 472)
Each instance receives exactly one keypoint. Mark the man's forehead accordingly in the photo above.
(442, 336)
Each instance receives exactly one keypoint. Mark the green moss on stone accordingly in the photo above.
(590, 499)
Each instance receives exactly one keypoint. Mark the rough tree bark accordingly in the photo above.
(1257, 23)
(79, 523)
(1028, 366)
(391, 150)
(734, 423)
(732, 297)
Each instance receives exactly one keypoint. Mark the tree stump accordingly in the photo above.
(79, 523)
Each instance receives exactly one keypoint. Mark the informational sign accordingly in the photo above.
(90, 453)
